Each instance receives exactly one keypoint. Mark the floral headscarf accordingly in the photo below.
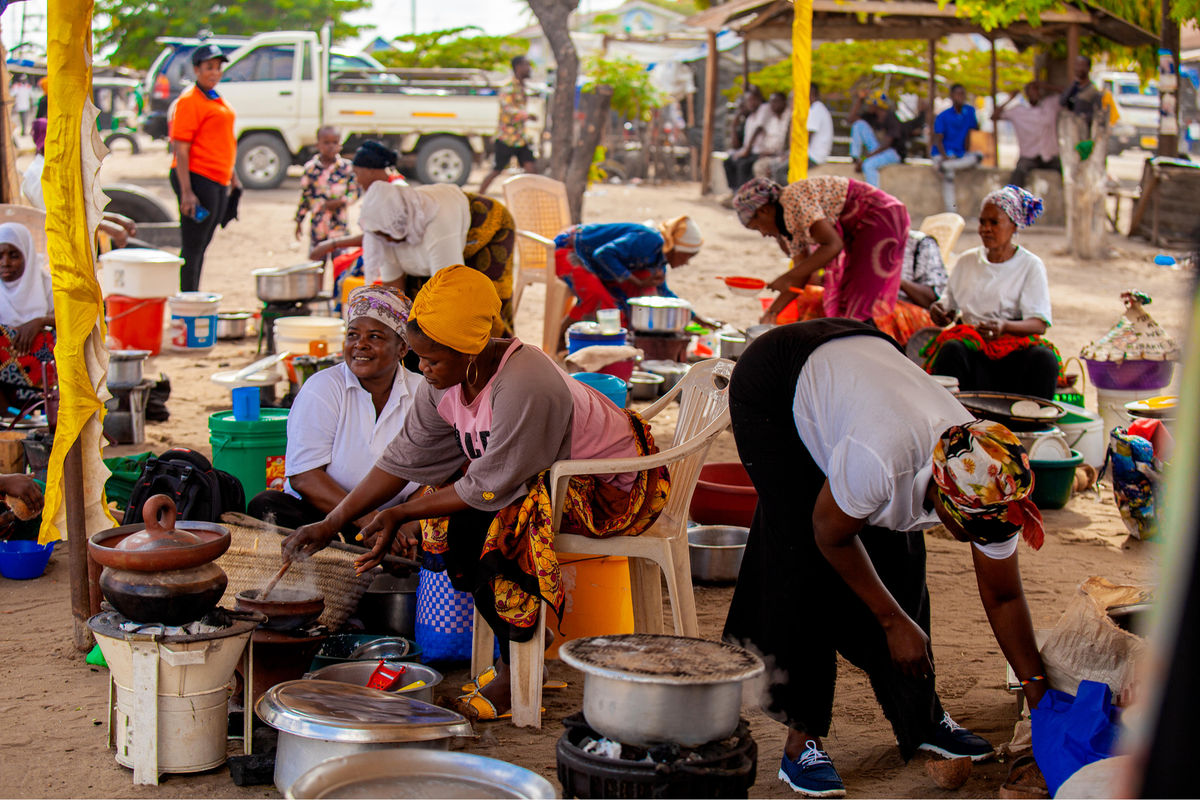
(984, 479)
(1022, 207)
(381, 303)
(754, 194)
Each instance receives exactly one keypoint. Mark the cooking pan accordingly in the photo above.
(286, 609)
(997, 406)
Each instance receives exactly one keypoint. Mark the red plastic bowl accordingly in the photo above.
(724, 495)
(746, 287)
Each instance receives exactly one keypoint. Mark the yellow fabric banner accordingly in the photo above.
(73, 152)
(801, 78)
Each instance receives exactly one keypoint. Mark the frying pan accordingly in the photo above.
(997, 406)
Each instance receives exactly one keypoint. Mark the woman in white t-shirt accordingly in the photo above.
(854, 451)
(1000, 293)
(345, 416)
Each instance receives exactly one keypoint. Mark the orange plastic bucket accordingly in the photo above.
(135, 323)
(598, 599)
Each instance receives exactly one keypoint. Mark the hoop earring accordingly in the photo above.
(470, 364)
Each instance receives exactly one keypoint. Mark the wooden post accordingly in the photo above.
(1168, 135)
(746, 62)
(10, 179)
(710, 100)
(1072, 50)
(995, 133)
(929, 114)
(77, 537)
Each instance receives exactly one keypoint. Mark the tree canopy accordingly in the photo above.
(133, 31)
(451, 48)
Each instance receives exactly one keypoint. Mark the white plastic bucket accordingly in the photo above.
(1087, 438)
(139, 272)
(294, 333)
(194, 320)
(1111, 405)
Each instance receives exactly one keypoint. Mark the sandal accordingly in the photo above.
(478, 708)
(489, 675)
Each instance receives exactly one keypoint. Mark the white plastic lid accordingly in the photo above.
(141, 255)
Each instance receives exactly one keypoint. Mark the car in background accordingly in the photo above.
(171, 73)
(1138, 106)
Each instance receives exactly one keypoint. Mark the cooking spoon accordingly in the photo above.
(271, 583)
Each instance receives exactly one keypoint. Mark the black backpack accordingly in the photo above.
(200, 491)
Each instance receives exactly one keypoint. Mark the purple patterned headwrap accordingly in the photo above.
(1022, 207)
(383, 303)
(754, 194)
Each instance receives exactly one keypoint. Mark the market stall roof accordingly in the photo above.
(909, 19)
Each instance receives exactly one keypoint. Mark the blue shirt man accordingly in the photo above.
(953, 125)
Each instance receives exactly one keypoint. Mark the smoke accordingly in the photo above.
(757, 691)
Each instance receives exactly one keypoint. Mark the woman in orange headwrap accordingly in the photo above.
(509, 412)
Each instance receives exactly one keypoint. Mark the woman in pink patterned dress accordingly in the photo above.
(851, 229)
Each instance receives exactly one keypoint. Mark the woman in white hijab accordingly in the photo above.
(26, 310)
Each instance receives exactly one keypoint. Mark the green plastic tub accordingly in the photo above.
(1053, 480)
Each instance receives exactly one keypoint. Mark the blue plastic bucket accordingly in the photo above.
(194, 320)
(610, 386)
(586, 334)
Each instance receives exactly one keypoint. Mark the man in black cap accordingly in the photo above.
(205, 149)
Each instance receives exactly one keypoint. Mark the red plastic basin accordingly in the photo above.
(724, 495)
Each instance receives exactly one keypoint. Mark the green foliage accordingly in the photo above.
(450, 48)
(634, 96)
(841, 67)
(133, 29)
(1184, 11)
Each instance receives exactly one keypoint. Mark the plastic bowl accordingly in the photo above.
(1054, 480)
(23, 560)
(1129, 375)
(745, 287)
(724, 495)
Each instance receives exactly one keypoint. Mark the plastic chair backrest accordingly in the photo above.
(31, 218)
(538, 205)
(946, 228)
(703, 412)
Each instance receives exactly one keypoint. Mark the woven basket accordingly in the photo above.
(253, 559)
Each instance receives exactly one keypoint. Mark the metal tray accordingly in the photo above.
(997, 406)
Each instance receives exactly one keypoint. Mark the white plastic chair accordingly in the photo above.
(32, 218)
(540, 210)
(703, 415)
(946, 228)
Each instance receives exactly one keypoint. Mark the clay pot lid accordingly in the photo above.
(1135, 337)
(159, 513)
(157, 544)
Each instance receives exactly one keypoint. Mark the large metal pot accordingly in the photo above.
(715, 552)
(731, 345)
(318, 720)
(233, 324)
(390, 605)
(300, 282)
(419, 773)
(125, 367)
(645, 689)
(659, 314)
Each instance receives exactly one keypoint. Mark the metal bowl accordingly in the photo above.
(359, 673)
(301, 282)
(417, 774)
(716, 551)
(645, 385)
(387, 648)
(659, 314)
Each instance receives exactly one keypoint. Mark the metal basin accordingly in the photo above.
(301, 282)
(716, 551)
(419, 774)
(359, 673)
(646, 689)
(659, 314)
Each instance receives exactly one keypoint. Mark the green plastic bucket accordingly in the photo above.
(253, 451)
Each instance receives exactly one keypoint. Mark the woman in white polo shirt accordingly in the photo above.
(854, 451)
(344, 417)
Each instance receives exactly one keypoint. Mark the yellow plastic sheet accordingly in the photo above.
(801, 78)
(70, 188)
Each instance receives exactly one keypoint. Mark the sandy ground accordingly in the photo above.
(56, 704)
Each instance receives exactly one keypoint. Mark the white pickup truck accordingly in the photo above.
(283, 88)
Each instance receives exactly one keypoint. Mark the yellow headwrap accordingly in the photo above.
(456, 308)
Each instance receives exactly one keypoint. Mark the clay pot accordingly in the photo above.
(175, 597)
(949, 773)
(287, 609)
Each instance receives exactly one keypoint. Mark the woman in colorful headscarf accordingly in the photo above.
(507, 412)
(997, 305)
(854, 451)
(26, 315)
(853, 231)
(605, 265)
(346, 415)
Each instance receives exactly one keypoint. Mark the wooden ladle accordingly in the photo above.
(271, 583)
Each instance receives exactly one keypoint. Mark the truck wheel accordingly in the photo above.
(137, 204)
(443, 159)
(262, 161)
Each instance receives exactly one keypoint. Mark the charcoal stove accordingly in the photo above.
(724, 768)
(168, 689)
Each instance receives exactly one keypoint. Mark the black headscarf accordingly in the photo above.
(374, 155)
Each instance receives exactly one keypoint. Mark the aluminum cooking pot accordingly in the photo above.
(233, 324)
(300, 282)
(731, 344)
(125, 366)
(659, 314)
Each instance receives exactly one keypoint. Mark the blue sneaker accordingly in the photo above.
(951, 740)
(812, 774)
